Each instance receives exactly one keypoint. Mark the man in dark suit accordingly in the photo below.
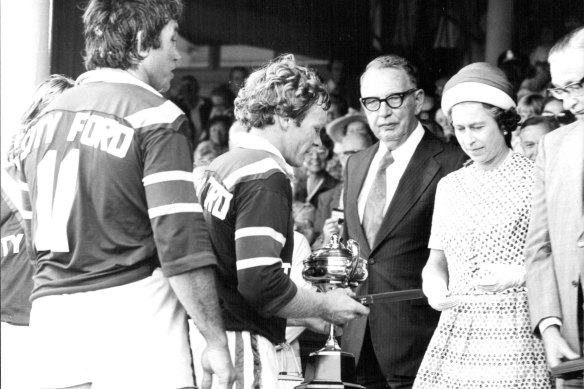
(389, 199)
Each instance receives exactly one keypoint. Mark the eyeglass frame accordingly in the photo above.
(401, 95)
(561, 92)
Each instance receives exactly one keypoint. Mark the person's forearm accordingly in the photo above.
(306, 303)
(196, 290)
(436, 267)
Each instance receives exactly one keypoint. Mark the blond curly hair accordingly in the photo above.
(280, 88)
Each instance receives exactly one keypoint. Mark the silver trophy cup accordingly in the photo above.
(333, 266)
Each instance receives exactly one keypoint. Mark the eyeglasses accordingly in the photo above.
(573, 89)
(393, 101)
(563, 117)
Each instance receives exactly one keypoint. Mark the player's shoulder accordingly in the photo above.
(254, 167)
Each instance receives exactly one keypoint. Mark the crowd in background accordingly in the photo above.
(440, 185)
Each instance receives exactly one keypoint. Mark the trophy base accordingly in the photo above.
(330, 370)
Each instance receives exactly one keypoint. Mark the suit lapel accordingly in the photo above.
(571, 158)
(360, 164)
(415, 180)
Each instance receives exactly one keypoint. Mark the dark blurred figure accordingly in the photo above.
(237, 77)
(197, 108)
(222, 102)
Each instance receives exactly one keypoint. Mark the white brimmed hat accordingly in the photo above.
(336, 128)
(479, 82)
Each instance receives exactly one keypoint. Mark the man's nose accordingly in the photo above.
(385, 109)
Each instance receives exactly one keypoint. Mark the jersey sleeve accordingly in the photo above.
(263, 217)
(175, 213)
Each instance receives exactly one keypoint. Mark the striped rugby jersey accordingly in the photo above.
(107, 170)
(247, 201)
(15, 269)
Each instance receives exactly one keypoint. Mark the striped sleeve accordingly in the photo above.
(262, 225)
(175, 213)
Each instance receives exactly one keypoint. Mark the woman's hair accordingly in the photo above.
(111, 29)
(507, 120)
(280, 88)
(44, 94)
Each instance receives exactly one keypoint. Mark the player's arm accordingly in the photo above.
(260, 238)
(182, 241)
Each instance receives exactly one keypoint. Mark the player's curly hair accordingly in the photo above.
(111, 28)
(507, 120)
(280, 88)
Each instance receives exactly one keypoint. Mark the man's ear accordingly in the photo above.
(282, 122)
(139, 44)
(419, 100)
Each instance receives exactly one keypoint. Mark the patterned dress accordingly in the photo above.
(480, 218)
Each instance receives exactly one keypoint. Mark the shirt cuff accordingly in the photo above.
(548, 322)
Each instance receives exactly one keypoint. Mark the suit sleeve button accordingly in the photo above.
(574, 284)
(371, 261)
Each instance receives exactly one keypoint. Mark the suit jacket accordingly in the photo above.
(326, 202)
(555, 241)
(400, 331)
(327, 183)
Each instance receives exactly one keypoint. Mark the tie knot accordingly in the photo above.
(386, 160)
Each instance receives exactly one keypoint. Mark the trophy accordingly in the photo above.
(333, 266)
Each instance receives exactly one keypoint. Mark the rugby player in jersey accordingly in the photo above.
(122, 252)
(247, 201)
(16, 270)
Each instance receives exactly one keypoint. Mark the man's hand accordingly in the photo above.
(330, 226)
(217, 361)
(339, 307)
(497, 278)
(556, 347)
(437, 293)
(320, 326)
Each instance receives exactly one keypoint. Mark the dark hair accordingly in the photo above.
(279, 88)
(111, 29)
(238, 69)
(340, 102)
(220, 119)
(507, 120)
(533, 101)
(225, 92)
(549, 122)
(393, 61)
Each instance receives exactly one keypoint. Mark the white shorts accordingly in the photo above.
(241, 345)
(130, 336)
(15, 355)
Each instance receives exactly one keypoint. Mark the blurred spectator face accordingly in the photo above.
(439, 84)
(315, 159)
(237, 79)
(525, 112)
(337, 71)
(218, 133)
(443, 122)
(553, 107)
(530, 137)
(218, 102)
(352, 143)
(357, 127)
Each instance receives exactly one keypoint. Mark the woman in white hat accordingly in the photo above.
(475, 273)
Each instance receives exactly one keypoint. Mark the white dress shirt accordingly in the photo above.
(394, 172)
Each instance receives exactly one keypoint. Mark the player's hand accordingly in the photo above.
(217, 361)
(498, 277)
(340, 306)
(556, 347)
(439, 297)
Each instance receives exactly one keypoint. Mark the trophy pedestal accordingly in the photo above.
(330, 369)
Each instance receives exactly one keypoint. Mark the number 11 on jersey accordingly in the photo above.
(52, 211)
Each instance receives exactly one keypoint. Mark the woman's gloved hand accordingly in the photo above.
(436, 291)
(498, 277)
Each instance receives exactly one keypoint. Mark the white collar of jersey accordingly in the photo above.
(113, 75)
(246, 140)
